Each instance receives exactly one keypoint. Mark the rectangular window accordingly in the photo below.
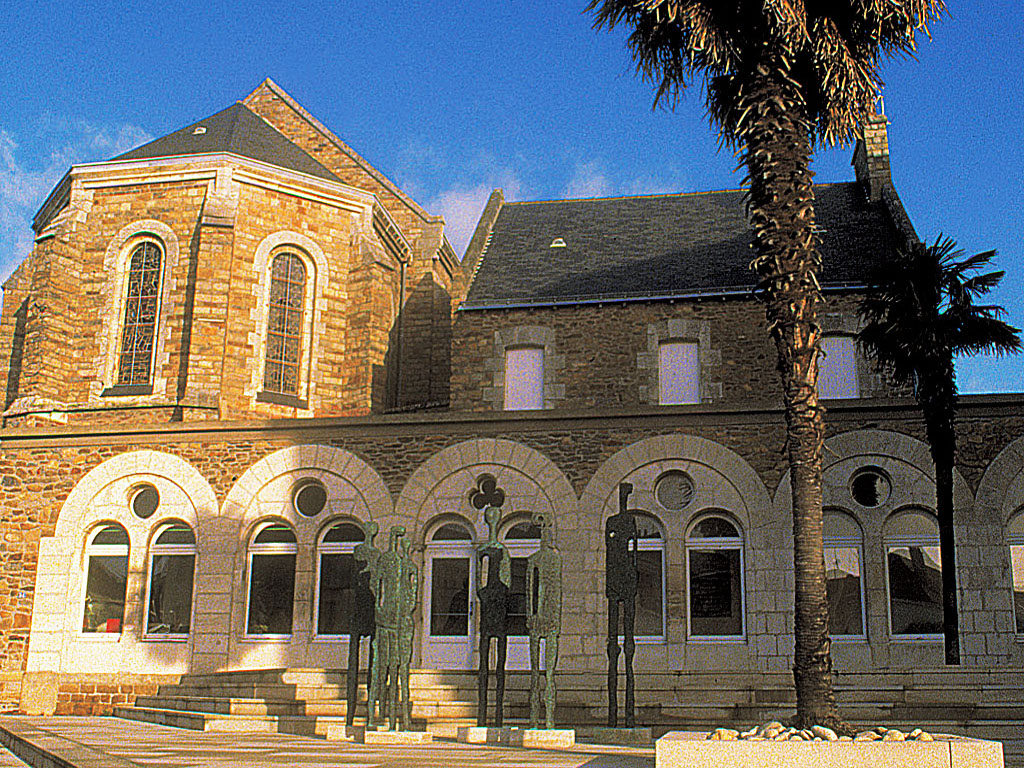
(170, 595)
(517, 602)
(843, 581)
(449, 597)
(337, 593)
(104, 593)
(678, 373)
(837, 368)
(271, 594)
(915, 590)
(716, 593)
(1017, 566)
(524, 378)
(649, 599)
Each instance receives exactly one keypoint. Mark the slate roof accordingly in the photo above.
(660, 245)
(240, 131)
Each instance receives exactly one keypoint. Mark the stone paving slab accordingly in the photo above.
(105, 742)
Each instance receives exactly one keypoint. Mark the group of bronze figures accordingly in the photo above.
(387, 591)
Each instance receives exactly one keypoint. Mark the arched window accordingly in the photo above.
(271, 581)
(106, 578)
(285, 325)
(521, 540)
(714, 566)
(837, 368)
(911, 541)
(650, 587)
(336, 578)
(172, 566)
(843, 557)
(141, 306)
(1015, 538)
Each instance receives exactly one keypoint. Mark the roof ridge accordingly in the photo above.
(334, 139)
(626, 197)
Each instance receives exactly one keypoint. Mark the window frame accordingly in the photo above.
(690, 345)
(331, 548)
(903, 542)
(850, 542)
(172, 550)
(115, 387)
(103, 550)
(536, 403)
(822, 364)
(737, 543)
(521, 549)
(655, 545)
(1015, 538)
(270, 548)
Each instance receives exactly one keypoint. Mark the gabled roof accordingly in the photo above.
(662, 245)
(237, 130)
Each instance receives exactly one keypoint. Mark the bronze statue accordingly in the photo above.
(363, 615)
(620, 540)
(395, 586)
(493, 616)
(543, 618)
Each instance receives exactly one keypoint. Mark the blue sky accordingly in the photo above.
(452, 99)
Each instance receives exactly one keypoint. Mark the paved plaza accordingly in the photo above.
(106, 742)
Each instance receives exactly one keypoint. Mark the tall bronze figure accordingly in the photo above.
(364, 621)
(395, 586)
(494, 561)
(620, 540)
(543, 618)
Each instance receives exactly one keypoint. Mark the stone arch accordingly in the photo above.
(527, 476)
(730, 478)
(1001, 490)
(102, 494)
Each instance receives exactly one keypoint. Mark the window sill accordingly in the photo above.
(124, 391)
(165, 638)
(916, 638)
(100, 637)
(279, 398)
(718, 640)
(266, 639)
(849, 639)
(331, 639)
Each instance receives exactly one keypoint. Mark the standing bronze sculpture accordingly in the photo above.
(395, 587)
(620, 540)
(543, 618)
(363, 615)
(494, 560)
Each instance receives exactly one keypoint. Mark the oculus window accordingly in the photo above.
(337, 579)
(106, 578)
(172, 566)
(141, 304)
(678, 373)
(1016, 541)
(843, 558)
(285, 324)
(837, 368)
(914, 574)
(714, 565)
(524, 378)
(271, 581)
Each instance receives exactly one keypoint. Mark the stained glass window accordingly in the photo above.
(284, 324)
(140, 310)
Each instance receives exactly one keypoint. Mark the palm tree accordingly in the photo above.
(781, 76)
(919, 314)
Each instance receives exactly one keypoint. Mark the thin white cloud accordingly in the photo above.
(462, 206)
(588, 181)
(26, 181)
(656, 185)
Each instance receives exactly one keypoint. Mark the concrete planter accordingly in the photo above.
(679, 749)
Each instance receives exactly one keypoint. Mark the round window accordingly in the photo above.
(144, 500)
(870, 487)
(310, 497)
(674, 490)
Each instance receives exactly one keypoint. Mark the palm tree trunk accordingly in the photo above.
(781, 200)
(939, 409)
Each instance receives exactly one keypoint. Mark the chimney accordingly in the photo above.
(871, 156)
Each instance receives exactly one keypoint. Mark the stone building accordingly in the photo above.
(234, 342)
